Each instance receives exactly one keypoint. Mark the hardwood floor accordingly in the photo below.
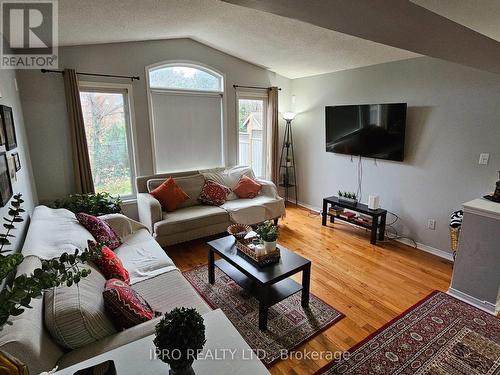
(370, 284)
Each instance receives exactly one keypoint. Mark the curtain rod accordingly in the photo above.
(93, 74)
(254, 87)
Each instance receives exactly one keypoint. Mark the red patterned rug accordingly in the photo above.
(440, 335)
(289, 324)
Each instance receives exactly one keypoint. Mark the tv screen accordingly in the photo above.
(371, 130)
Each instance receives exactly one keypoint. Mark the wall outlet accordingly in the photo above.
(431, 224)
(484, 159)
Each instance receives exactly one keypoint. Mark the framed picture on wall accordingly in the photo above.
(17, 160)
(5, 184)
(8, 127)
(12, 169)
(2, 133)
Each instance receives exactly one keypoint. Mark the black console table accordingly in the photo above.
(378, 216)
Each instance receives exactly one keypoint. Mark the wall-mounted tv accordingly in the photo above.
(371, 130)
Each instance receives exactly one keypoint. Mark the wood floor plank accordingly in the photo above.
(370, 284)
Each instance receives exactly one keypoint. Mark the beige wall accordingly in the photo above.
(45, 110)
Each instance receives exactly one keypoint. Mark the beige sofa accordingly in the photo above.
(195, 220)
(152, 273)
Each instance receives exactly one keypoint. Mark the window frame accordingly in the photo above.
(192, 64)
(127, 90)
(253, 94)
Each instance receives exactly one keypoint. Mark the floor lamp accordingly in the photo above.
(288, 177)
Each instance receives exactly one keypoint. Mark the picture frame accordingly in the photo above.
(12, 169)
(9, 130)
(2, 133)
(5, 183)
(17, 160)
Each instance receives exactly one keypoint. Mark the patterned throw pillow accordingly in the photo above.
(126, 307)
(213, 193)
(170, 195)
(109, 264)
(247, 187)
(100, 230)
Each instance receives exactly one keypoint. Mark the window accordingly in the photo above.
(252, 111)
(106, 115)
(187, 117)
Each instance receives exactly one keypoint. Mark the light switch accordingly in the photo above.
(484, 159)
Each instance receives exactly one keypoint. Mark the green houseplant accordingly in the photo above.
(268, 232)
(17, 294)
(348, 197)
(180, 336)
(93, 204)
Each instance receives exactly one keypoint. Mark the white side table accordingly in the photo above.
(225, 353)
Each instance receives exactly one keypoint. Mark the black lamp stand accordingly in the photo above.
(288, 177)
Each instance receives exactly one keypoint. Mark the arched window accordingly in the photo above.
(186, 103)
(185, 77)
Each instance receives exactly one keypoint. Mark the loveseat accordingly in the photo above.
(152, 274)
(194, 219)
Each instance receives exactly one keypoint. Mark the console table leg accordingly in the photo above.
(263, 310)
(324, 213)
(306, 282)
(373, 238)
(211, 266)
(381, 232)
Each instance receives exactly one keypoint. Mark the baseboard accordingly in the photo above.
(483, 305)
(420, 246)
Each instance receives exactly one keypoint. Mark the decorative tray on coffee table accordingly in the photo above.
(250, 254)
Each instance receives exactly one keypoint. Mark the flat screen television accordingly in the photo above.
(370, 130)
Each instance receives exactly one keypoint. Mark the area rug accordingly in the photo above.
(439, 335)
(289, 324)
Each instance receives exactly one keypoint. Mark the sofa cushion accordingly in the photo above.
(213, 193)
(109, 264)
(170, 195)
(228, 177)
(127, 307)
(142, 256)
(101, 231)
(192, 185)
(190, 218)
(247, 188)
(75, 316)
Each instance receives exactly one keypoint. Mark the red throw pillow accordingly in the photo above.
(125, 305)
(100, 230)
(170, 195)
(213, 193)
(109, 264)
(247, 188)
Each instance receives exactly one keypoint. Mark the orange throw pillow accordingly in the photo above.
(170, 195)
(247, 188)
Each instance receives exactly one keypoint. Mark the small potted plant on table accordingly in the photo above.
(348, 197)
(268, 232)
(180, 336)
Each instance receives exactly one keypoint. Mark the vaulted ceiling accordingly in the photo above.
(298, 38)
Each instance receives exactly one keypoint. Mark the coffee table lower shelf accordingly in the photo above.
(265, 294)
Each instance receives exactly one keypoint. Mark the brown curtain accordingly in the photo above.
(81, 161)
(272, 136)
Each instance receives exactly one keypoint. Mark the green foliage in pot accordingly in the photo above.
(93, 204)
(180, 336)
(347, 194)
(267, 231)
(16, 296)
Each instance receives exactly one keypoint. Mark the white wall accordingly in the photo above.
(45, 108)
(25, 181)
(453, 116)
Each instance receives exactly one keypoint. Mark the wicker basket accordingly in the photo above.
(454, 234)
(259, 260)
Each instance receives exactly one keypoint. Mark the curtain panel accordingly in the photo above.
(81, 161)
(272, 167)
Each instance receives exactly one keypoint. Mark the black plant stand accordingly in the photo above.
(288, 176)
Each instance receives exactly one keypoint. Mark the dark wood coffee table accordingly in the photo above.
(270, 284)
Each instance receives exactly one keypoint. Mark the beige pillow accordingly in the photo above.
(75, 315)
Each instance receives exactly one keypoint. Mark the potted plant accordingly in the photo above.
(93, 203)
(180, 336)
(268, 233)
(348, 197)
